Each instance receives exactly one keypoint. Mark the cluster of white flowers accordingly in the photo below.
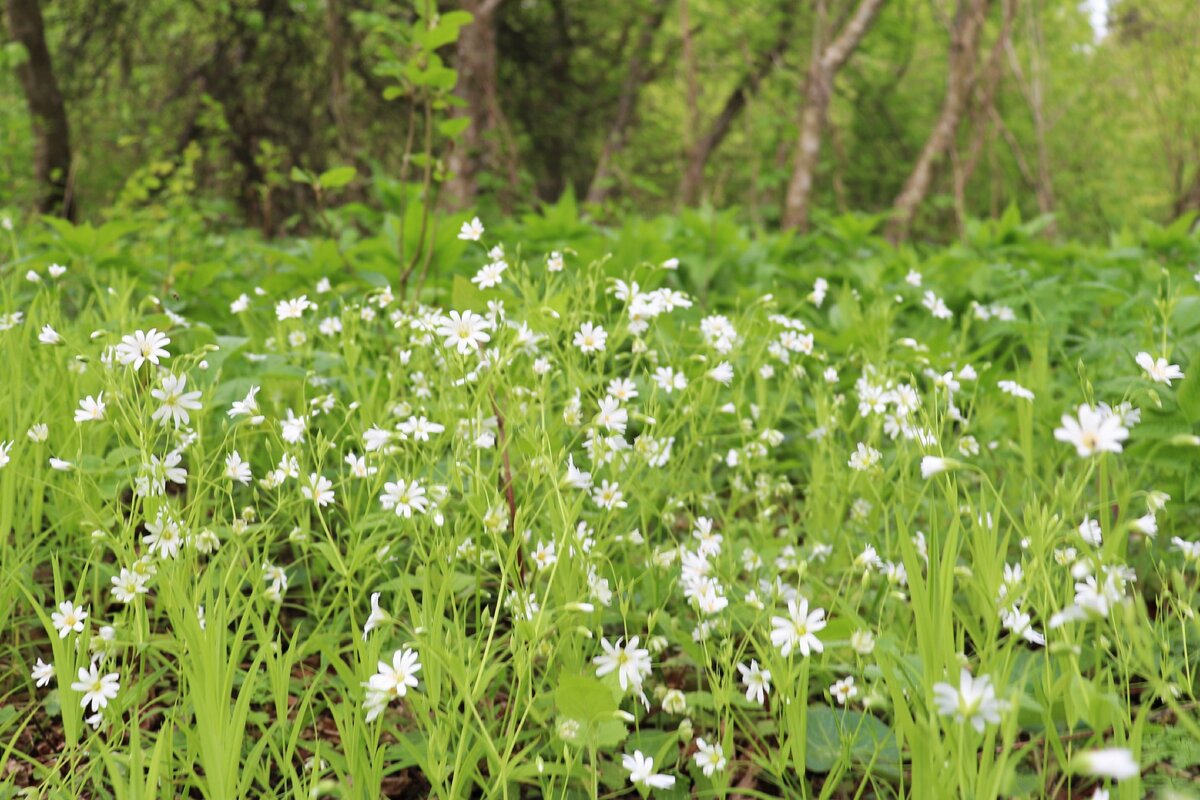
(590, 451)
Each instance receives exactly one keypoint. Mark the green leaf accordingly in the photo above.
(446, 30)
(337, 177)
(452, 128)
(834, 734)
(1188, 395)
(584, 698)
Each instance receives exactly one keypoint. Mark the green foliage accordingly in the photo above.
(245, 670)
(1091, 134)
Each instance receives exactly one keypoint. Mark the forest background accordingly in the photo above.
(782, 111)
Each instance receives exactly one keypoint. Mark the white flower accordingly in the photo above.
(293, 309)
(5, 448)
(319, 489)
(68, 618)
(236, 469)
(142, 346)
(175, 402)
(1017, 621)
(575, 477)
(864, 457)
(863, 642)
(1190, 550)
(419, 428)
(820, 289)
(376, 438)
(165, 535)
(669, 380)
(722, 373)
(129, 584)
(1116, 763)
(756, 680)
(465, 332)
(798, 630)
(376, 616)
(611, 416)
(49, 336)
(674, 702)
(246, 407)
(293, 428)
(97, 689)
(936, 306)
(490, 275)
(1094, 432)
(404, 497)
(844, 690)
(641, 772)
(240, 305)
(471, 231)
(1147, 525)
(544, 555)
(631, 663)
(358, 466)
(1015, 390)
(590, 338)
(974, 701)
(932, 465)
(1089, 529)
(709, 758)
(90, 409)
(42, 673)
(609, 496)
(397, 678)
(1158, 369)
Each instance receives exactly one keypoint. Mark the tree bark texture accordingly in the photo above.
(964, 49)
(51, 131)
(823, 68)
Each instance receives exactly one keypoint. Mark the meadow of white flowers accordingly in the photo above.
(576, 535)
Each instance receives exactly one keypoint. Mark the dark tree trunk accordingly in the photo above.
(339, 96)
(635, 77)
(481, 145)
(964, 49)
(981, 114)
(707, 143)
(51, 132)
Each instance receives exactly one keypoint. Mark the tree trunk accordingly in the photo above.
(635, 77)
(964, 48)
(1189, 200)
(339, 99)
(705, 145)
(52, 134)
(823, 68)
(981, 115)
(1034, 96)
(480, 146)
